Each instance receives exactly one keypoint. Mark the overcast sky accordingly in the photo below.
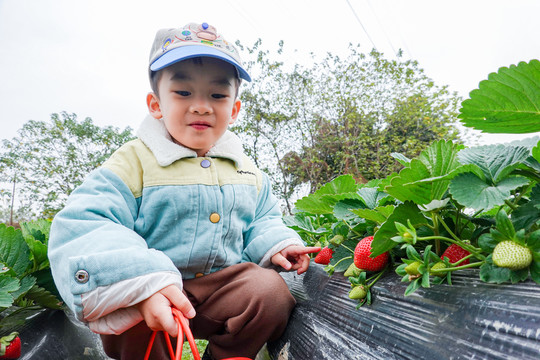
(90, 57)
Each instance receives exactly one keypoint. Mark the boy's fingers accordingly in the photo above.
(169, 325)
(179, 301)
(304, 264)
(280, 260)
(312, 249)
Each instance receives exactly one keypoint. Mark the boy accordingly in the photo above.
(179, 218)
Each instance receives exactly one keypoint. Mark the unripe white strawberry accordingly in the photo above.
(511, 255)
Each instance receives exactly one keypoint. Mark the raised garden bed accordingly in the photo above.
(469, 320)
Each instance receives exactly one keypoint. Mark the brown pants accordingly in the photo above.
(239, 309)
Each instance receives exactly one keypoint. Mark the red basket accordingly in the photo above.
(183, 328)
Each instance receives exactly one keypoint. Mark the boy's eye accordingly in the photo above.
(219, 96)
(183, 93)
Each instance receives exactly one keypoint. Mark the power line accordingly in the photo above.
(362, 25)
(382, 28)
(397, 23)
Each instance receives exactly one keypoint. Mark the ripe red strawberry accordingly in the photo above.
(362, 259)
(454, 253)
(324, 256)
(10, 346)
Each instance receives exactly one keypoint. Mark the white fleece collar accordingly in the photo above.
(153, 134)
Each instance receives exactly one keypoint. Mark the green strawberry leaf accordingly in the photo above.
(6, 299)
(421, 193)
(487, 242)
(9, 284)
(341, 185)
(495, 161)
(37, 229)
(372, 197)
(504, 225)
(14, 252)
(343, 209)
(519, 275)
(323, 200)
(341, 254)
(400, 270)
(43, 297)
(26, 284)
(439, 280)
(526, 215)
(38, 251)
(425, 280)
(422, 181)
(413, 286)
(534, 160)
(472, 192)
(491, 273)
(321, 204)
(302, 222)
(402, 159)
(382, 240)
(412, 254)
(507, 102)
(533, 241)
(378, 215)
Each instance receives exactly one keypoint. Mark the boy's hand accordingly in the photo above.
(294, 257)
(157, 313)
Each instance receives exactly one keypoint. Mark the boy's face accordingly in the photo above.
(197, 101)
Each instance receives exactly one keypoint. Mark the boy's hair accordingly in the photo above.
(191, 41)
(155, 76)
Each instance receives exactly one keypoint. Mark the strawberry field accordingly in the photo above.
(453, 212)
(451, 208)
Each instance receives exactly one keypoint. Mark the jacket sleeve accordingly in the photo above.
(267, 228)
(93, 244)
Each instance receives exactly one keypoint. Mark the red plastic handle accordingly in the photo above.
(183, 328)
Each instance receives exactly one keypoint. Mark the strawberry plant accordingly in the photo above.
(26, 284)
(450, 208)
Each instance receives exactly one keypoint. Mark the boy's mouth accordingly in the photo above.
(199, 125)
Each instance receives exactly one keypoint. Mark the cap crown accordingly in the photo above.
(206, 39)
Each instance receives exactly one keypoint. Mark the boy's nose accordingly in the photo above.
(201, 107)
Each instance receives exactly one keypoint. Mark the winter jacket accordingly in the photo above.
(155, 213)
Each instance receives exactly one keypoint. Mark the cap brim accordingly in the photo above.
(190, 51)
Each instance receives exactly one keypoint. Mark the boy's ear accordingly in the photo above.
(235, 110)
(154, 108)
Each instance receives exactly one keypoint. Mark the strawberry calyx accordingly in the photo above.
(10, 346)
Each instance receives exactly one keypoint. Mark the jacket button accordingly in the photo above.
(205, 163)
(82, 276)
(198, 275)
(214, 217)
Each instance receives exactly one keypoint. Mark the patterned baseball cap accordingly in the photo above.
(193, 40)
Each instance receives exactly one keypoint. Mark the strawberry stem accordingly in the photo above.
(351, 228)
(377, 277)
(352, 251)
(435, 219)
(471, 265)
(462, 259)
(340, 260)
(510, 205)
(473, 250)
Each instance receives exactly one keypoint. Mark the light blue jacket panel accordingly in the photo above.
(133, 217)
